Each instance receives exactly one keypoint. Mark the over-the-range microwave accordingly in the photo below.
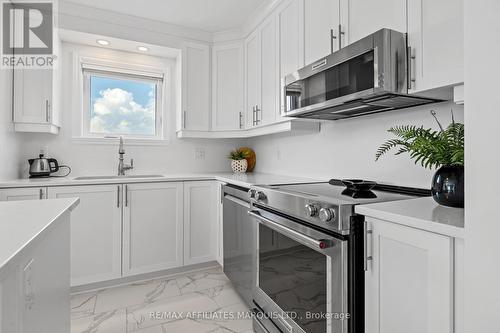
(367, 76)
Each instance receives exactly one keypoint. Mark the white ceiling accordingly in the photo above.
(206, 15)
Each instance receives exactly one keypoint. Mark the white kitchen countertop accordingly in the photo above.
(245, 180)
(22, 222)
(421, 213)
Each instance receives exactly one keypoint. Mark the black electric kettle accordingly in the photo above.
(42, 167)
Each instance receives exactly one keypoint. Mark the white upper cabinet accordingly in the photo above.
(96, 231)
(291, 36)
(436, 38)
(200, 222)
(253, 77)
(36, 98)
(360, 18)
(227, 87)
(409, 282)
(321, 23)
(268, 108)
(152, 227)
(195, 110)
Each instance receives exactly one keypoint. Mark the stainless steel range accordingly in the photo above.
(309, 262)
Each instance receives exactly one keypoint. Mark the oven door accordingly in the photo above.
(301, 275)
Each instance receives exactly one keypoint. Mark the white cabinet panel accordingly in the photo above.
(253, 77)
(436, 36)
(196, 87)
(269, 103)
(321, 22)
(227, 84)
(152, 227)
(291, 32)
(291, 38)
(409, 283)
(17, 194)
(200, 225)
(359, 18)
(96, 230)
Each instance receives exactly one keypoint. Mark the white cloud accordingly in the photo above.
(115, 111)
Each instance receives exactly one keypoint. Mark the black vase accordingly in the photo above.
(448, 186)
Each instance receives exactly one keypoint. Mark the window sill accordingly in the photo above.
(115, 141)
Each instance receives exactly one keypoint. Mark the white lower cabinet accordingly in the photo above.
(28, 193)
(152, 227)
(409, 282)
(200, 223)
(96, 231)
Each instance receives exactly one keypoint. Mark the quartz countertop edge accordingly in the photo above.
(24, 222)
(420, 213)
(244, 180)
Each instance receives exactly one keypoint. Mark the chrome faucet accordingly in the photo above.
(122, 167)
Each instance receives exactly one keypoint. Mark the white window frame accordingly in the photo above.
(89, 66)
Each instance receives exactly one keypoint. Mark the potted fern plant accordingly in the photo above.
(442, 149)
(239, 163)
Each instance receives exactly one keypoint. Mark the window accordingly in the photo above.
(121, 102)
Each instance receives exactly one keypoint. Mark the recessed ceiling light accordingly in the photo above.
(142, 48)
(102, 42)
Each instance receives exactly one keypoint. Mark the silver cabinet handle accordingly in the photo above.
(118, 196)
(253, 115)
(126, 195)
(184, 113)
(317, 243)
(241, 120)
(367, 257)
(411, 58)
(257, 110)
(332, 38)
(47, 110)
(41, 193)
(341, 33)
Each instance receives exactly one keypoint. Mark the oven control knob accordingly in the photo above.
(311, 210)
(251, 193)
(259, 195)
(326, 214)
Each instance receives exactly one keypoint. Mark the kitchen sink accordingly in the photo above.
(116, 177)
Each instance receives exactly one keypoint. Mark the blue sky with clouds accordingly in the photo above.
(120, 106)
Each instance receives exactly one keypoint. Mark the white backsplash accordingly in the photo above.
(346, 148)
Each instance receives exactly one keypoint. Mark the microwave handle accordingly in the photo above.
(320, 244)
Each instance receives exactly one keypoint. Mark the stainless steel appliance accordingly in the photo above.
(42, 167)
(45, 167)
(309, 262)
(367, 76)
(239, 241)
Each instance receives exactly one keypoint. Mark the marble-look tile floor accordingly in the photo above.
(196, 302)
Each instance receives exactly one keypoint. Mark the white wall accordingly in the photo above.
(346, 148)
(482, 165)
(177, 156)
(8, 143)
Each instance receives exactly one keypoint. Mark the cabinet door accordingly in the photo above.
(152, 227)
(18, 194)
(291, 40)
(227, 83)
(32, 96)
(196, 87)
(436, 37)
(253, 77)
(96, 230)
(321, 23)
(200, 225)
(268, 107)
(360, 18)
(409, 283)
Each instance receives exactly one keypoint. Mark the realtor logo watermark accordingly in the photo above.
(27, 34)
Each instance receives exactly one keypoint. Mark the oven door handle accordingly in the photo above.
(320, 244)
